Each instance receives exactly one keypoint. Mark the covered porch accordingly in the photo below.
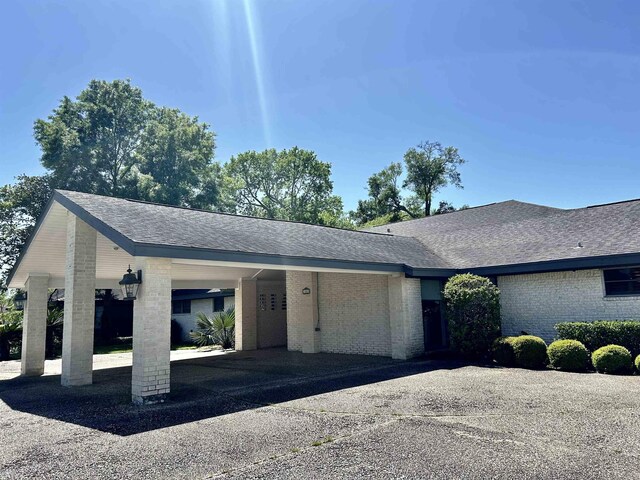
(310, 307)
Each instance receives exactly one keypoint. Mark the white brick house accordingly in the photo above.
(317, 289)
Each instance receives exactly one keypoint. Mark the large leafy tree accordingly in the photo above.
(111, 141)
(385, 200)
(90, 143)
(176, 160)
(430, 167)
(288, 184)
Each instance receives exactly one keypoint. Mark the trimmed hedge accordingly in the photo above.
(473, 314)
(598, 334)
(569, 355)
(526, 351)
(612, 359)
(503, 352)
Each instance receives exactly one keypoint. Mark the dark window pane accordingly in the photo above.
(218, 304)
(622, 281)
(186, 306)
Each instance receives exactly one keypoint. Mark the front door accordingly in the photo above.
(434, 326)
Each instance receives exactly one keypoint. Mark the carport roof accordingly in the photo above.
(148, 229)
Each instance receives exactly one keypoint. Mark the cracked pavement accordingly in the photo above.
(278, 414)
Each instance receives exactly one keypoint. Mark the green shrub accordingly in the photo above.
(637, 363)
(473, 314)
(569, 355)
(503, 352)
(529, 351)
(216, 330)
(594, 335)
(612, 359)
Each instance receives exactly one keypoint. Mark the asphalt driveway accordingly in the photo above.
(277, 414)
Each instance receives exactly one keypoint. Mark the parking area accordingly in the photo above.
(278, 414)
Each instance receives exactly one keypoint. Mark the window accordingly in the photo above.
(218, 304)
(622, 281)
(181, 306)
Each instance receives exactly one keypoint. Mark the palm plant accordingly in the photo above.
(55, 319)
(218, 329)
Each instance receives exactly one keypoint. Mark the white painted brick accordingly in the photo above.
(536, 302)
(34, 326)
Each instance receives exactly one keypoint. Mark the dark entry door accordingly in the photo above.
(433, 322)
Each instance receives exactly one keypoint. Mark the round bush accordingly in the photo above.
(569, 355)
(638, 363)
(612, 359)
(529, 351)
(503, 352)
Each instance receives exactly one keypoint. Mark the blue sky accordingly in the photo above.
(541, 97)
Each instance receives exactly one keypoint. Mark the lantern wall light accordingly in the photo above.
(20, 299)
(130, 283)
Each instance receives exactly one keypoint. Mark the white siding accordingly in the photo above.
(205, 305)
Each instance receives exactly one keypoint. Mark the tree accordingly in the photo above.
(385, 198)
(176, 160)
(430, 166)
(89, 144)
(20, 205)
(288, 185)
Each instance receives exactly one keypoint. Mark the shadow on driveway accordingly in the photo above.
(204, 388)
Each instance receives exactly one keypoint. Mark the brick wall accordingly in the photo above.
(536, 302)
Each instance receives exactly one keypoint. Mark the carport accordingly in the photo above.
(309, 287)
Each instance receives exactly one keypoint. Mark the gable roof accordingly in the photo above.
(148, 229)
(515, 233)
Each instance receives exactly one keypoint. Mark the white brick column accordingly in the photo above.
(405, 314)
(34, 325)
(246, 315)
(150, 381)
(79, 304)
(302, 312)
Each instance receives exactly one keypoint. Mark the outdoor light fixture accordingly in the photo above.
(306, 291)
(19, 300)
(130, 283)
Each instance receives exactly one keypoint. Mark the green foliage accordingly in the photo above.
(503, 352)
(598, 334)
(20, 206)
(569, 355)
(218, 329)
(529, 351)
(175, 160)
(385, 199)
(612, 359)
(10, 326)
(637, 363)
(288, 185)
(90, 143)
(473, 313)
(55, 321)
(430, 167)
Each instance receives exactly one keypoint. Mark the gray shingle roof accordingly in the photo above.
(159, 225)
(510, 233)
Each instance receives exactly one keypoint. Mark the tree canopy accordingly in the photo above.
(288, 185)
(430, 166)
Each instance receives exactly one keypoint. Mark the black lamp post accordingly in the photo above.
(20, 299)
(130, 283)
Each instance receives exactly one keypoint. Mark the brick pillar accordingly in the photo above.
(405, 314)
(150, 381)
(34, 325)
(246, 315)
(302, 312)
(79, 304)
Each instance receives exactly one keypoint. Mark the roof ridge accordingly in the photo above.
(610, 203)
(146, 202)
